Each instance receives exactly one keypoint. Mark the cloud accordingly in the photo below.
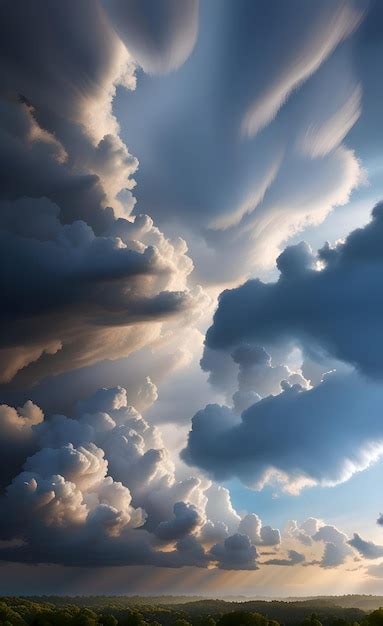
(186, 519)
(68, 243)
(294, 558)
(291, 310)
(17, 438)
(259, 535)
(159, 36)
(299, 438)
(99, 488)
(285, 70)
(236, 552)
(367, 549)
(103, 301)
(303, 532)
(336, 548)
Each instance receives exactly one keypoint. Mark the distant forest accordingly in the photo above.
(352, 610)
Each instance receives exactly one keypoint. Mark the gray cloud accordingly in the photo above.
(367, 549)
(294, 558)
(299, 437)
(316, 310)
(159, 35)
(186, 519)
(336, 548)
(236, 552)
(82, 280)
(259, 535)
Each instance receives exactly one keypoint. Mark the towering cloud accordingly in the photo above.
(82, 280)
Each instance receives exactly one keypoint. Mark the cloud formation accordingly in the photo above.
(367, 549)
(315, 309)
(299, 437)
(83, 281)
(104, 472)
(160, 36)
(272, 92)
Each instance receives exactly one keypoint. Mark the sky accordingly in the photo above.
(191, 340)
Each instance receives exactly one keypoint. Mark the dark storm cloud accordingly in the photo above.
(17, 438)
(81, 281)
(299, 437)
(186, 519)
(335, 311)
(236, 552)
(65, 288)
(160, 35)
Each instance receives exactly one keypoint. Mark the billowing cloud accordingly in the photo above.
(260, 535)
(316, 310)
(299, 437)
(302, 436)
(17, 438)
(367, 549)
(83, 281)
(99, 488)
(336, 548)
(236, 552)
(186, 519)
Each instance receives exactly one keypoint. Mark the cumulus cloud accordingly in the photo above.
(302, 436)
(299, 438)
(186, 519)
(236, 552)
(259, 535)
(367, 549)
(17, 438)
(83, 281)
(291, 310)
(99, 488)
(302, 532)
